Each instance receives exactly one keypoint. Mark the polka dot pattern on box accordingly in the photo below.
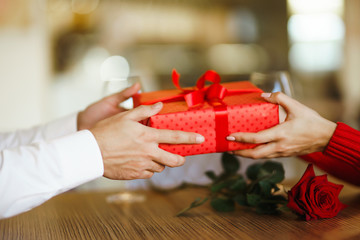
(242, 118)
(199, 121)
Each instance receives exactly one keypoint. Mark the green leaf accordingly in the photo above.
(229, 187)
(265, 187)
(241, 199)
(272, 172)
(211, 175)
(252, 171)
(230, 163)
(253, 199)
(221, 185)
(194, 204)
(223, 204)
(239, 185)
(254, 188)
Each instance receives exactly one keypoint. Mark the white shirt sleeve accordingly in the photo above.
(32, 174)
(57, 128)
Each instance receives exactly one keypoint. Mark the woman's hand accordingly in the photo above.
(131, 150)
(106, 107)
(304, 131)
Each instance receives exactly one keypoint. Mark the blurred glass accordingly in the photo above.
(278, 81)
(111, 87)
(114, 73)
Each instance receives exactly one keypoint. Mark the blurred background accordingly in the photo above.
(52, 51)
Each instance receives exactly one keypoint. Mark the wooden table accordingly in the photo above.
(77, 215)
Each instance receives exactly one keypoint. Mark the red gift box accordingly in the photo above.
(213, 111)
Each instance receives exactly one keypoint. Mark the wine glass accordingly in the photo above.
(277, 81)
(115, 73)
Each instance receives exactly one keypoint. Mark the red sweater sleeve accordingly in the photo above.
(341, 157)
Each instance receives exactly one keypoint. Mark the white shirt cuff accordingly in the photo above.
(82, 160)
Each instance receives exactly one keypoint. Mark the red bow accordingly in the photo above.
(212, 94)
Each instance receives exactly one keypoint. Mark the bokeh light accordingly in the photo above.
(316, 27)
(115, 68)
(315, 6)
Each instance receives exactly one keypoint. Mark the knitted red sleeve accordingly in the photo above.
(341, 157)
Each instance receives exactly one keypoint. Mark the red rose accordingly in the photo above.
(313, 197)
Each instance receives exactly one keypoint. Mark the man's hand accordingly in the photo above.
(106, 107)
(304, 131)
(130, 150)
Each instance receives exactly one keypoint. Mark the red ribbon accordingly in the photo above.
(221, 128)
(214, 94)
(202, 94)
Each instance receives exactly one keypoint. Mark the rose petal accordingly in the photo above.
(308, 174)
(292, 204)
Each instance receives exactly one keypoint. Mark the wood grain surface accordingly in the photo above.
(77, 215)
